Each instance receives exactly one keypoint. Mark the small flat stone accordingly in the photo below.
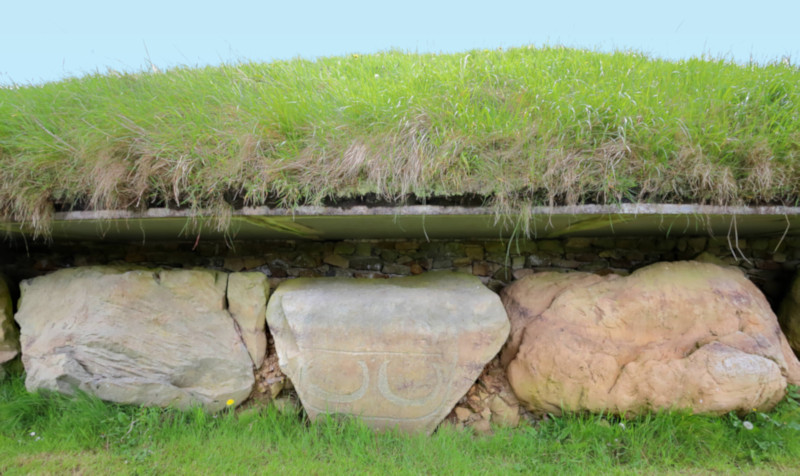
(463, 414)
(396, 269)
(338, 261)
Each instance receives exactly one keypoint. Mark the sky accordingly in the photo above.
(43, 41)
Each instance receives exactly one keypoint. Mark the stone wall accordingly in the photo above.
(768, 262)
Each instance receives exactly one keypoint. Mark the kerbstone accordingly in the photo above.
(9, 337)
(397, 353)
(789, 314)
(686, 335)
(247, 302)
(147, 337)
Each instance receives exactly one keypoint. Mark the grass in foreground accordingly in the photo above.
(519, 127)
(49, 433)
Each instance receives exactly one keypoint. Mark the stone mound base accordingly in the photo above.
(411, 351)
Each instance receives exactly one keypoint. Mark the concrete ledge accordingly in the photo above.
(421, 222)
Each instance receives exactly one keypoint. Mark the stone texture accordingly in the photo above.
(490, 399)
(336, 260)
(149, 337)
(789, 314)
(9, 337)
(247, 303)
(671, 335)
(398, 352)
(396, 269)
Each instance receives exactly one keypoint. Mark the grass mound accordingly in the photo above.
(45, 433)
(519, 127)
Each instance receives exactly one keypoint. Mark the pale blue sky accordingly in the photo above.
(48, 40)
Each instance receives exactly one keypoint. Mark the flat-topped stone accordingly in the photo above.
(396, 352)
(149, 337)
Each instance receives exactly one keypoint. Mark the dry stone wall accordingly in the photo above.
(769, 263)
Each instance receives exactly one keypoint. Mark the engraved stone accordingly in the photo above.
(148, 337)
(397, 353)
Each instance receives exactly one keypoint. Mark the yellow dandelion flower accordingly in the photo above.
(229, 402)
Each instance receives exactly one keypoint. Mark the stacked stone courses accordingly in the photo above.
(768, 262)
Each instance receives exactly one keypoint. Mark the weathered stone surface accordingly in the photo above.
(247, 303)
(336, 260)
(671, 335)
(396, 269)
(9, 337)
(397, 352)
(789, 314)
(490, 399)
(148, 337)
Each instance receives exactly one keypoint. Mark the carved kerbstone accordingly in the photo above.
(148, 337)
(397, 353)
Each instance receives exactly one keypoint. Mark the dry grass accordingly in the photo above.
(521, 127)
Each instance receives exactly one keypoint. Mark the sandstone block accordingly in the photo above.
(148, 337)
(234, 263)
(9, 337)
(406, 245)
(553, 246)
(474, 252)
(337, 260)
(481, 268)
(398, 352)
(247, 302)
(396, 269)
(363, 249)
(579, 244)
(344, 248)
(495, 247)
(685, 335)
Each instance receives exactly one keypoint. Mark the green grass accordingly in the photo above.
(48, 433)
(517, 127)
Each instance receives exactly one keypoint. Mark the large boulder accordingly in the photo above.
(789, 314)
(397, 353)
(149, 337)
(247, 303)
(9, 337)
(684, 335)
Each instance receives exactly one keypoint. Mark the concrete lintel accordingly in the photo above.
(421, 210)
(421, 222)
